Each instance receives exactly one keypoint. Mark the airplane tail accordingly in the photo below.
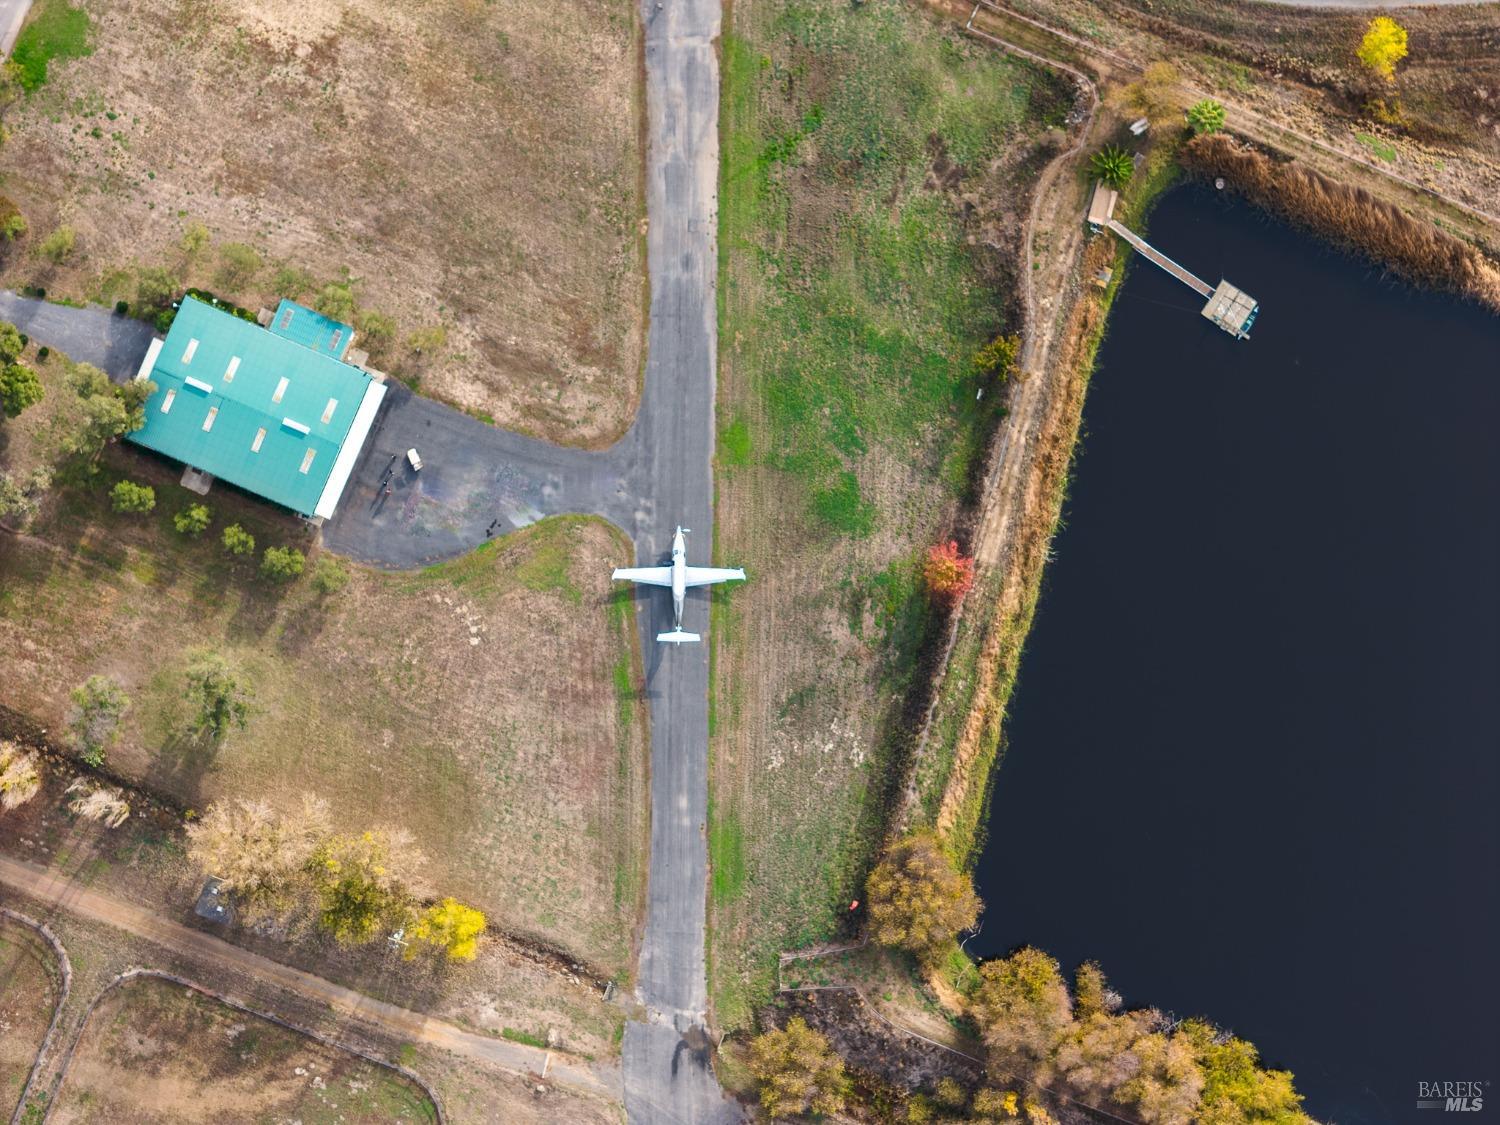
(677, 637)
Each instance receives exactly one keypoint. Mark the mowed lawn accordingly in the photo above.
(874, 174)
(472, 169)
(155, 1051)
(485, 705)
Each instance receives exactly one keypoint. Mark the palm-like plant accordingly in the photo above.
(1113, 165)
(1206, 117)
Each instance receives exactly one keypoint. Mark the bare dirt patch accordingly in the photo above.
(474, 167)
(155, 1051)
(29, 988)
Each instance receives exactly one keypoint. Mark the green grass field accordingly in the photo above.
(867, 153)
(55, 30)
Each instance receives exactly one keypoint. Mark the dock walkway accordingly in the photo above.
(1153, 254)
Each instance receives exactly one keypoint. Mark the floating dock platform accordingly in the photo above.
(1228, 306)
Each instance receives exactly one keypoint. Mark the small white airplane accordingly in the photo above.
(679, 576)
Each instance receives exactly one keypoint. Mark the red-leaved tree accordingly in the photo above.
(949, 573)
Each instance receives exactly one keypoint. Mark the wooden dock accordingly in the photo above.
(1152, 254)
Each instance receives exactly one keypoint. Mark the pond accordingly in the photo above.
(1251, 764)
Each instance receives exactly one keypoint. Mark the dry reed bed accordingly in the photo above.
(1350, 216)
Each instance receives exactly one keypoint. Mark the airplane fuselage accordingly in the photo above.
(679, 575)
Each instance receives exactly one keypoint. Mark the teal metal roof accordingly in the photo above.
(312, 329)
(251, 381)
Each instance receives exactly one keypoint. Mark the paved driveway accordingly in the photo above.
(115, 344)
(474, 478)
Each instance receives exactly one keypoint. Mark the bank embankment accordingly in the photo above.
(964, 735)
(1349, 216)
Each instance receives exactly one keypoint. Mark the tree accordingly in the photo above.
(104, 411)
(19, 388)
(20, 777)
(1236, 1089)
(1168, 1084)
(238, 541)
(918, 901)
(1113, 165)
(1023, 1011)
(193, 520)
(359, 894)
(156, 288)
(218, 699)
(998, 357)
(133, 395)
(261, 856)
(99, 803)
(11, 343)
(194, 239)
(1383, 46)
(336, 300)
(12, 222)
(58, 246)
(329, 576)
(127, 496)
(1156, 96)
(1097, 1057)
(449, 926)
(798, 1071)
(238, 263)
(19, 495)
(948, 572)
(282, 564)
(1206, 116)
(376, 329)
(94, 719)
(996, 1106)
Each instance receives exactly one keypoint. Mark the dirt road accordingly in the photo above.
(61, 894)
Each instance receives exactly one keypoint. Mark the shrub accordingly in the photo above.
(1206, 116)
(127, 496)
(12, 222)
(122, 307)
(329, 576)
(949, 574)
(1383, 46)
(798, 1071)
(193, 520)
(451, 927)
(98, 803)
(194, 239)
(336, 300)
(59, 245)
(918, 900)
(155, 289)
(1113, 165)
(282, 564)
(94, 719)
(238, 263)
(43, 352)
(376, 329)
(20, 777)
(218, 698)
(998, 357)
(19, 388)
(238, 541)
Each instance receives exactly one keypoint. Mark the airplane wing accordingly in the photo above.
(708, 575)
(650, 575)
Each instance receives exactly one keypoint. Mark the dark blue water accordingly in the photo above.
(1252, 754)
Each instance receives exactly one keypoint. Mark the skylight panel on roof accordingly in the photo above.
(187, 356)
(234, 365)
(208, 423)
(260, 436)
(329, 409)
(307, 459)
(280, 389)
(293, 424)
(286, 319)
(199, 385)
(166, 402)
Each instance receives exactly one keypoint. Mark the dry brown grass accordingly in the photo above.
(406, 701)
(154, 1051)
(28, 991)
(472, 165)
(1350, 216)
